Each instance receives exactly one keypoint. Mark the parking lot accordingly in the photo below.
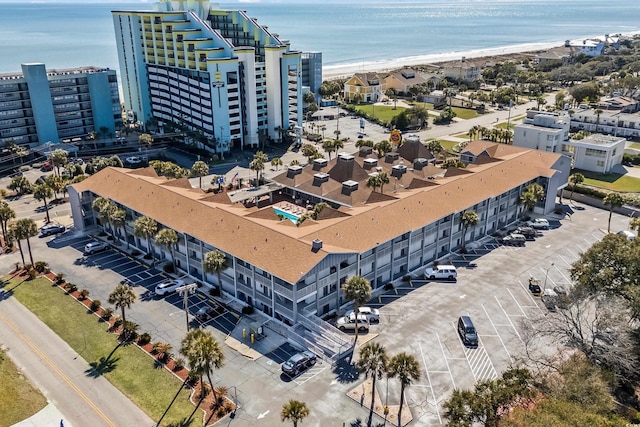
(418, 318)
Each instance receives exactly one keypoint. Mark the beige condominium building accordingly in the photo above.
(290, 268)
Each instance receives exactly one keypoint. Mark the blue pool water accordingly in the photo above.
(291, 216)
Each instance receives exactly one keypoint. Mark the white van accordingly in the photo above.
(626, 233)
(441, 272)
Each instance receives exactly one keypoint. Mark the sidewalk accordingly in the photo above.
(60, 373)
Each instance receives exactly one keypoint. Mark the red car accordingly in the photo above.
(46, 167)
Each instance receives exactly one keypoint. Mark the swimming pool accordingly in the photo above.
(289, 215)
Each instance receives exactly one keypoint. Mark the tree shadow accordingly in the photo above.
(185, 422)
(346, 372)
(104, 365)
(359, 423)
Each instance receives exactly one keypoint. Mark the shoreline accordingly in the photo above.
(346, 70)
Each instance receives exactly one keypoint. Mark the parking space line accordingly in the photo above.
(509, 318)
(446, 361)
(435, 402)
(517, 303)
(497, 334)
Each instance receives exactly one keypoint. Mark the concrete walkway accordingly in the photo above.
(61, 374)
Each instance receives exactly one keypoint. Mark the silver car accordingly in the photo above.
(168, 287)
(349, 324)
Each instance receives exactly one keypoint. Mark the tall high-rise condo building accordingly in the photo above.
(217, 73)
(312, 72)
(39, 106)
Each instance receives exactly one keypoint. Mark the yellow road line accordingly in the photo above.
(57, 370)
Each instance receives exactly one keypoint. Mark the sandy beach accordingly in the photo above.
(331, 72)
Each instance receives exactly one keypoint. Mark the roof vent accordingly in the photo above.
(293, 170)
(319, 163)
(364, 151)
(392, 157)
(316, 245)
(398, 170)
(349, 186)
(345, 157)
(320, 178)
(370, 163)
(419, 163)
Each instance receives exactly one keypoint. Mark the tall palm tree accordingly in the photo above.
(41, 193)
(215, 262)
(407, 369)
(25, 229)
(11, 236)
(383, 179)
(531, 195)
(358, 290)
(102, 206)
(58, 158)
(118, 218)
(276, 162)
(373, 182)
(373, 361)
(167, 238)
(598, 112)
(199, 169)
(294, 411)
(257, 166)
(468, 219)
(613, 200)
(6, 215)
(576, 179)
(146, 228)
(329, 146)
(122, 297)
(204, 354)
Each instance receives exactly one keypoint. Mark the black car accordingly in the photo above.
(51, 229)
(299, 362)
(534, 287)
(528, 232)
(206, 313)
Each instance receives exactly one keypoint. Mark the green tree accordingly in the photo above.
(373, 182)
(358, 290)
(294, 411)
(383, 179)
(383, 147)
(146, 228)
(406, 368)
(6, 215)
(41, 193)
(531, 195)
(167, 238)
(634, 224)
(575, 179)
(613, 200)
(26, 228)
(118, 218)
(308, 150)
(58, 159)
(373, 361)
(214, 262)
(276, 162)
(468, 219)
(122, 297)
(204, 354)
(145, 140)
(452, 163)
(199, 169)
(487, 403)
(20, 184)
(329, 146)
(257, 166)
(11, 235)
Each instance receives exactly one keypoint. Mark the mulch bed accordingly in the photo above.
(211, 414)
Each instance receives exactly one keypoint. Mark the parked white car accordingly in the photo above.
(441, 272)
(93, 247)
(168, 287)
(372, 314)
(349, 324)
(538, 223)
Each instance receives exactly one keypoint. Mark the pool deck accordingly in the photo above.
(291, 208)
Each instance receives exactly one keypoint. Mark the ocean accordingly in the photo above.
(349, 35)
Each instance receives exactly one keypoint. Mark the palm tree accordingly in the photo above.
(294, 411)
(635, 225)
(122, 297)
(329, 146)
(257, 165)
(199, 169)
(598, 112)
(531, 195)
(468, 219)
(308, 151)
(407, 369)
(204, 354)
(358, 290)
(276, 162)
(382, 147)
(383, 179)
(12, 234)
(373, 182)
(41, 193)
(215, 262)
(25, 229)
(100, 205)
(58, 158)
(146, 140)
(167, 238)
(373, 361)
(613, 200)
(118, 218)
(6, 215)
(146, 228)
(576, 179)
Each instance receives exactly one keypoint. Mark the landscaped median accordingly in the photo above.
(126, 366)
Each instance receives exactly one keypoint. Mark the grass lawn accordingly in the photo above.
(18, 398)
(127, 367)
(635, 145)
(448, 145)
(464, 113)
(612, 181)
(382, 112)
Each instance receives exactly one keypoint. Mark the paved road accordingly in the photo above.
(58, 371)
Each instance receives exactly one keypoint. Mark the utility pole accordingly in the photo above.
(185, 291)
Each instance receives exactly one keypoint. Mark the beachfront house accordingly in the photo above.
(401, 81)
(465, 71)
(364, 87)
(588, 47)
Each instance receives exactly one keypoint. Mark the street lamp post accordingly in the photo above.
(546, 276)
(185, 291)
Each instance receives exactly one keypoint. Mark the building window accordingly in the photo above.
(591, 152)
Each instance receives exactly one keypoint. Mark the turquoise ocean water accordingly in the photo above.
(69, 35)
